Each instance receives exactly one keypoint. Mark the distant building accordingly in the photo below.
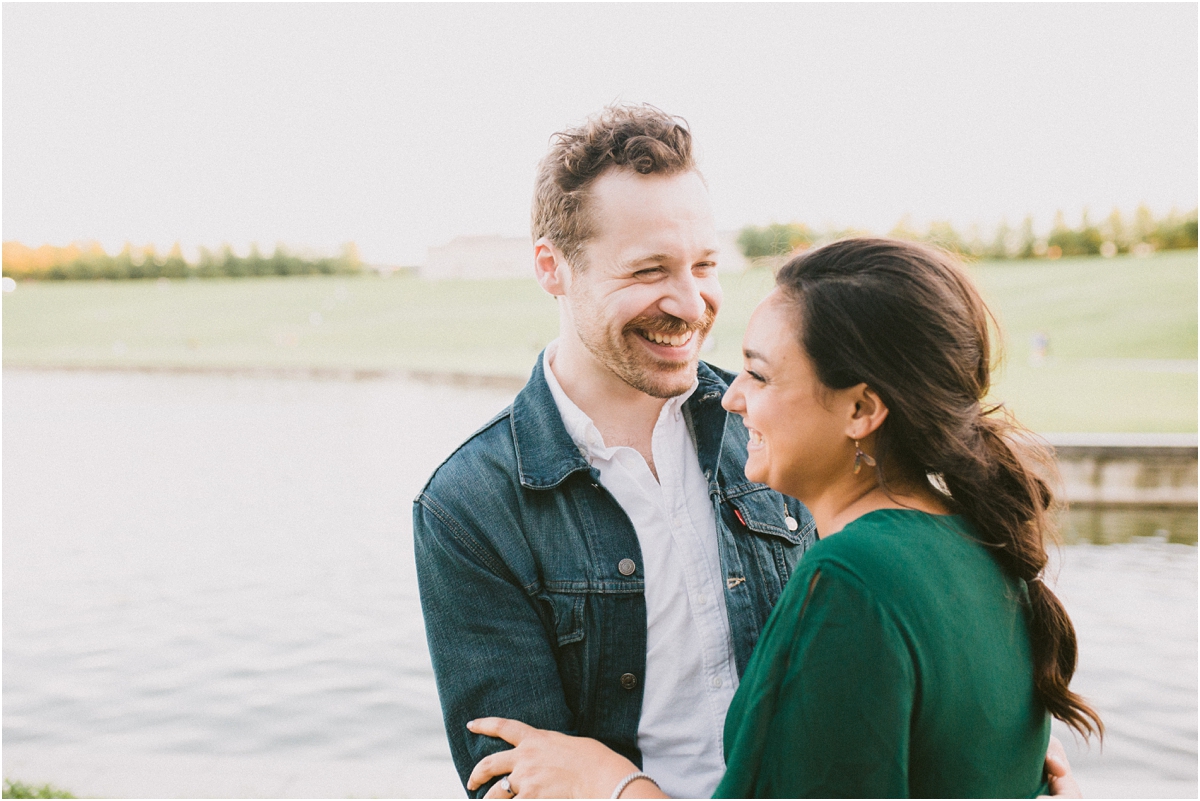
(512, 257)
(480, 257)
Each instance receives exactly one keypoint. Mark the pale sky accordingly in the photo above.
(399, 127)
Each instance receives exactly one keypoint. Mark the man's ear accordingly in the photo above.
(550, 267)
(868, 413)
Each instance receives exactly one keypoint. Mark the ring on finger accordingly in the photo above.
(506, 787)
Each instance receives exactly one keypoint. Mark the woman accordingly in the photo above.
(916, 650)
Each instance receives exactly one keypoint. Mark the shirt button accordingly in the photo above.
(716, 682)
(626, 567)
(628, 681)
(702, 599)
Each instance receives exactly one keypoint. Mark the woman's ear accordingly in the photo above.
(551, 269)
(868, 415)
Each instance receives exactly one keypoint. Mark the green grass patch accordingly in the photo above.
(313, 321)
(21, 790)
(1121, 330)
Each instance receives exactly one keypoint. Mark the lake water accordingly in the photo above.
(209, 591)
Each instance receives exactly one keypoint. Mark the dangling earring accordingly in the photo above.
(860, 458)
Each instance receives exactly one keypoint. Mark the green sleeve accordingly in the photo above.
(826, 705)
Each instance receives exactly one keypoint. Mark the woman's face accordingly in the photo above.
(798, 442)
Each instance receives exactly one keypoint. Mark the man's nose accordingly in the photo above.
(684, 299)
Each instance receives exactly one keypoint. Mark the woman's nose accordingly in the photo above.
(732, 400)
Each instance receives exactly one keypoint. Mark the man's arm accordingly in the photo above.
(492, 655)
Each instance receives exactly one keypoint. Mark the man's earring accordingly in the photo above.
(861, 458)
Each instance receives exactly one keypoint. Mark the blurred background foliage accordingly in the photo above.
(88, 260)
(1139, 234)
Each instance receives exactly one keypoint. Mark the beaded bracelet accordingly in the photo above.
(632, 777)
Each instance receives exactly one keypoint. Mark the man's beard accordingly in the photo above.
(637, 367)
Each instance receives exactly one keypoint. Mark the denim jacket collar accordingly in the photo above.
(546, 454)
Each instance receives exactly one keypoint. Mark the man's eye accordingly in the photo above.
(648, 272)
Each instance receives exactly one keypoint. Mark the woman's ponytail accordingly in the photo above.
(907, 321)
(1013, 508)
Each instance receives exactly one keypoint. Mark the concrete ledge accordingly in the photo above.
(1127, 469)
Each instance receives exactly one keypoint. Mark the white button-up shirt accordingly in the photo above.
(690, 671)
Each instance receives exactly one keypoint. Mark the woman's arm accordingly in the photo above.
(547, 764)
(824, 708)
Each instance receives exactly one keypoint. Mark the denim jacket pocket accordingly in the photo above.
(773, 547)
(568, 610)
(762, 510)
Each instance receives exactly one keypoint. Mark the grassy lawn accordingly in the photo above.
(1118, 330)
(1121, 333)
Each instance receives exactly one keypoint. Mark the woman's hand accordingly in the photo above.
(547, 764)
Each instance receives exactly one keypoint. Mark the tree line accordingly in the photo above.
(1140, 235)
(90, 261)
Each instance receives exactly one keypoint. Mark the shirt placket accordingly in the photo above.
(703, 599)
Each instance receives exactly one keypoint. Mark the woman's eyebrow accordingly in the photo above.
(753, 354)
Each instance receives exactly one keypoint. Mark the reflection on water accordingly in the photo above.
(209, 591)
(1134, 610)
(1105, 525)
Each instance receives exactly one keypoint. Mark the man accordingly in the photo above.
(593, 560)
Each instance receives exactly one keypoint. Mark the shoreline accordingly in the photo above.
(1099, 470)
(313, 373)
(1074, 443)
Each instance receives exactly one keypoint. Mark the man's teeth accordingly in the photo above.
(662, 339)
(755, 437)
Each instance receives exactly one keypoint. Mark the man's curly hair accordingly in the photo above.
(640, 138)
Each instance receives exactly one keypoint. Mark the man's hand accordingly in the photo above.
(1058, 770)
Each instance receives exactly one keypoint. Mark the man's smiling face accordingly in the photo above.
(647, 293)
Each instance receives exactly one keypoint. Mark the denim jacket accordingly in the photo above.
(518, 545)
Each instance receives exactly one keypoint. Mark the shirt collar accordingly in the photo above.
(546, 455)
(582, 430)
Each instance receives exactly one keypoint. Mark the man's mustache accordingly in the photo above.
(669, 325)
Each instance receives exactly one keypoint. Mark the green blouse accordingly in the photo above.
(896, 663)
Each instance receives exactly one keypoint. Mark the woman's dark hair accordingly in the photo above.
(907, 321)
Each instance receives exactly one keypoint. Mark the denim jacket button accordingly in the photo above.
(626, 567)
(628, 681)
